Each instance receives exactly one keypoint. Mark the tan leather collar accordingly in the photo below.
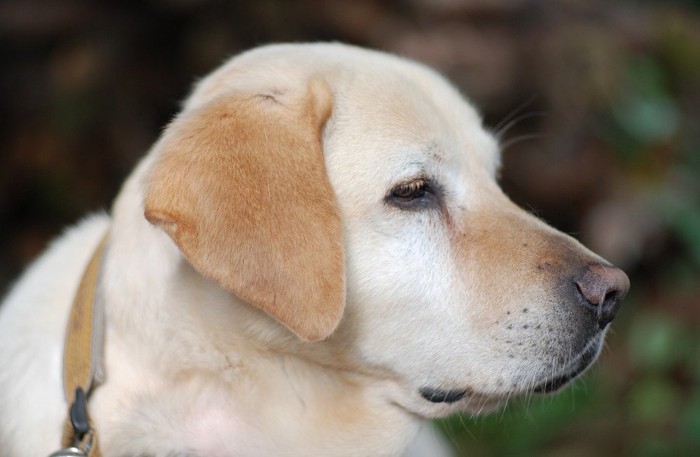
(82, 360)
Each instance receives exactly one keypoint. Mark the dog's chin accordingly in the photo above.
(571, 371)
(442, 402)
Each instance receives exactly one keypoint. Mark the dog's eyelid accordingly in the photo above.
(419, 185)
(415, 193)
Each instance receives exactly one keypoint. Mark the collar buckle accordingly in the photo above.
(69, 452)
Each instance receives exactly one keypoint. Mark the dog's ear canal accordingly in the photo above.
(240, 185)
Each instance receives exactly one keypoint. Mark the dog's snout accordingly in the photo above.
(601, 289)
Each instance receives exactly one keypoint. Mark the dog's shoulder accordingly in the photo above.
(32, 326)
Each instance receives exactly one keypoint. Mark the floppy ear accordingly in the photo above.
(240, 185)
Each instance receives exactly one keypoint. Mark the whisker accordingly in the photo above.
(505, 407)
(500, 133)
(449, 432)
(510, 116)
(466, 427)
(520, 139)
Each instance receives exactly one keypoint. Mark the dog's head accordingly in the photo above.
(352, 196)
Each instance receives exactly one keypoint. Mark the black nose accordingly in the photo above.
(601, 289)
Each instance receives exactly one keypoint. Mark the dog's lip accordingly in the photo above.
(580, 363)
(554, 384)
(435, 395)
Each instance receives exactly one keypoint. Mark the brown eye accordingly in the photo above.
(415, 194)
(410, 190)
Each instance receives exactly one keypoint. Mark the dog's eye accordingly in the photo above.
(410, 190)
(413, 194)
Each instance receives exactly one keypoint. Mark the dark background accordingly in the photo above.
(597, 103)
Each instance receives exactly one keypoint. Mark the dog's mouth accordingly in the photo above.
(572, 371)
(434, 395)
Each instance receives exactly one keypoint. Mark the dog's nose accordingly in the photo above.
(601, 290)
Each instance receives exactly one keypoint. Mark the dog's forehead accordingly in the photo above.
(398, 120)
(383, 104)
(412, 105)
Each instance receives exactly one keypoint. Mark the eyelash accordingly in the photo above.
(415, 194)
(410, 190)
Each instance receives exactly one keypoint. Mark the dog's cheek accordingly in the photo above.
(401, 308)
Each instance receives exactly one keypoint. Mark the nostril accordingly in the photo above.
(601, 289)
(611, 297)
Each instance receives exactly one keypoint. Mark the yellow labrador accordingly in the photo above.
(314, 258)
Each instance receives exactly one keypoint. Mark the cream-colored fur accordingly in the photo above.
(274, 287)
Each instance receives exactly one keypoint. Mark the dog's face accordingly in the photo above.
(352, 196)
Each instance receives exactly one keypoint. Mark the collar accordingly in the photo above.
(82, 361)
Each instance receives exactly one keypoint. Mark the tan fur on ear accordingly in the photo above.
(240, 185)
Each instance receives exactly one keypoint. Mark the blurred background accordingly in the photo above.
(597, 104)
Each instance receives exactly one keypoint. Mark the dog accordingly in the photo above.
(313, 259)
